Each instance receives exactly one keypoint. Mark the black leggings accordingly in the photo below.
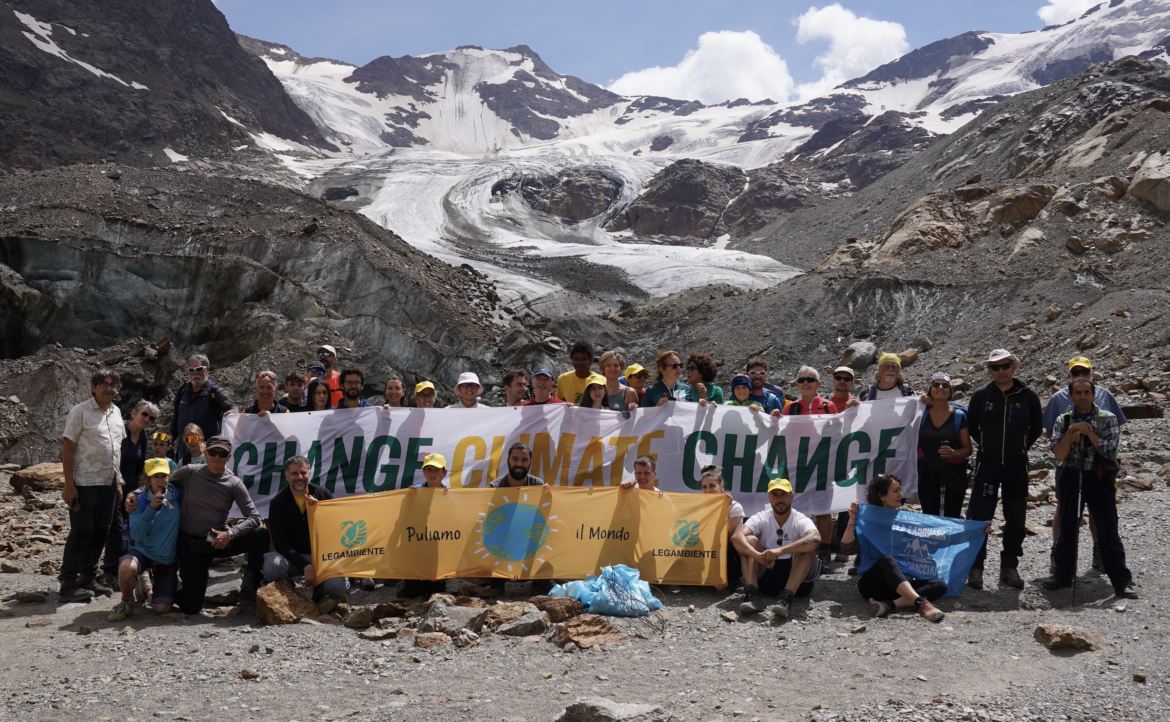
(881, 582)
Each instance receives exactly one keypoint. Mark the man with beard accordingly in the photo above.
(353, 380)
(757, 371)
(778, 547)
(519, 462)
(288, 522)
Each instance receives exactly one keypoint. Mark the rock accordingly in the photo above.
(378, 635)
(42, 477)
(1020, 203)
(958, 383)
(922, 343)
(529, 624)
(173, 617)
(1132, 484)
(1076, 245)
(389, 609)
(126, 632)
(501, 614)
(1110, 243)
(1139, 677)
(8, 567)
(466, 638)
(247, 673)
(280, 603)
(559, 608)
(30, 597)
(730, 616)
(589, 630)
(40, 622)
(1049, 380)
(327, 606)
(431, 639)
(598, 709)
(1111, 187)
(1062, 636)
(1142, 411)
(442, 614)
(1053, 313)
(359, 618)
(1087, 340)
(1151, 182)
(1037, 474)
(82, 631)
(859, 355)
(687, 198)
(908, 356)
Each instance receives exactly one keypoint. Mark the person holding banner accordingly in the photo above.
(395, 392)
(434, 473)
(594, 396)
(265, 402)
(741, 390)
(571, 384)
(515, 387)
(757, 371)
(353, 380)
(808, 381)
(294, 398)
(617, 396)
(884, 584)
(944, 445)
(667, 387)
(543, 388)
(711, 479)
(468, 388)
(889, 383)
(841, 397)
(778, 547)
(645, 475)
(1084, 441)
(701, 373)
(636, 378)
(424, 395)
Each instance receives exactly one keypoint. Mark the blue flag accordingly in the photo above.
(924, 546)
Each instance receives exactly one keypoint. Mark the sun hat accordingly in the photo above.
(468, 377)
(1000, 355)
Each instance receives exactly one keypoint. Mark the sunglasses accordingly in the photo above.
(757, 373)
(675, 365)
(219, 453)
(843, 379)
(940, 385)
(999, 367)
(159, 436)
(324, 354)
(196, 369)
(806, 380)
(317, 372)
(265, 375)
(690, 369)
(1078, 372)
(148, 415)
(426, 395)
(193, 439)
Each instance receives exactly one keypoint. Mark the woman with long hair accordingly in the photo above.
(395, 392)
(617, 396)
(594, 396)
(701, 372)
(319, 395)
(668, 387)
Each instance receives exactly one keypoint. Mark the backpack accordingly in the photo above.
(818, 404)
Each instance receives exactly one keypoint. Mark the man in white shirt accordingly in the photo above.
(778, 547)
(91, 452)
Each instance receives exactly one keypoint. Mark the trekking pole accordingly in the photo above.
(1076, 547)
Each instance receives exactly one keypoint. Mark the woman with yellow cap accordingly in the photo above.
(424, 395)
(594, 395)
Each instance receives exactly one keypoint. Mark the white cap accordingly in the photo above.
(468, 377)
(327, 347)
(1000, 355)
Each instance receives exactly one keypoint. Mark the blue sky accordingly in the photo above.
(603, 40)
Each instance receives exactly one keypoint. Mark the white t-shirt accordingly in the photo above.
(894, 393)
(734, 512)
(764, 527)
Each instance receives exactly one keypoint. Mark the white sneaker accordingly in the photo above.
(124, 609)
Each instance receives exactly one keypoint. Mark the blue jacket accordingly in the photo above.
(155, 533)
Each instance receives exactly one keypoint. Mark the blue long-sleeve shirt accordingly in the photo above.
(155, 533)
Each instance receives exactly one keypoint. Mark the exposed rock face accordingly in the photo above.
(687, 198)
(575, 195)
(1152, 181)
(167, 73)
(860, 148)
(281, 603)
(937, 57)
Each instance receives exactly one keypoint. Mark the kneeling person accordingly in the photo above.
(288, 522)
(778, 547)
(154, 531)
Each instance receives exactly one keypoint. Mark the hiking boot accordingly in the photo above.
(71, 592)
(928, 611)
(975, 578)
(1097, 563)
(247, 596)
(754, 602)
(782, 609)
(1011, 577)
(143, 588)
(124, 609)
(369, 585)
(879, 609)
(826, 558)
(841, 557)
(93, 585)
(1126, 592)
(1055, 582)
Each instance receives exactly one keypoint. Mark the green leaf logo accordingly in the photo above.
(686, 533)
(353, 534)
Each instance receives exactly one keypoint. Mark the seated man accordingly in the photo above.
(645, 475)
(154, 529)
(519, 462)
(288, 522)
(778, 547)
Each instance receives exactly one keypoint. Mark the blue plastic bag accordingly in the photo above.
(618, 592)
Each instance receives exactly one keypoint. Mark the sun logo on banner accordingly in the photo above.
(515, 531)
(686, 533)
(353, 534)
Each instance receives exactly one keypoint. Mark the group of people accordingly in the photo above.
(157, 504)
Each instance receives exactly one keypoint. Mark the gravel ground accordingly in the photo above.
(980, 663)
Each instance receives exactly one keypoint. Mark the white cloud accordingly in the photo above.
(857, 45)
(1061, 11)
(727, 65)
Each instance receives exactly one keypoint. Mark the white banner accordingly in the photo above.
(828, 459)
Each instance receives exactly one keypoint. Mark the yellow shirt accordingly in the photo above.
(300, 500)
(570, 387)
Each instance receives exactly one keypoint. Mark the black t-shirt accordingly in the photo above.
(303, 406)
(930, 437)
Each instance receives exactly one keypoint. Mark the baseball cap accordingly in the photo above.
(435, 460)
(157, 466)
(847, 370)
(999, 355)
(468, 377)
(740, 380)
(543, 372)
(1079, 361)
(327, 347)
(316, 366)
(218, 442)
(423, 386)
(634, 370)
(888, 357)
(595, 379)
(782, 484)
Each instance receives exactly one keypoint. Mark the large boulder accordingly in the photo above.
(598, 709)
(442, 614)
(859, 355)
(1062, 636)
(42, 477)
(526, 626)
(502, 614)
(1152, 181)
(589, 630)
(280, 603)
(1014, 204)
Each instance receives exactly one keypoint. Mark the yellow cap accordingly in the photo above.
(634, 370)
(595, 379)
(781, 484)
(157, 466)
(423, 386)
(888, 357)
(1080, 361)
(435, 460)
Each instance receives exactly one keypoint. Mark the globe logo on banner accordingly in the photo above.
(686, 533)
(353, 534)
(515, 532)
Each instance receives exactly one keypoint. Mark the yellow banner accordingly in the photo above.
(522, 533)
